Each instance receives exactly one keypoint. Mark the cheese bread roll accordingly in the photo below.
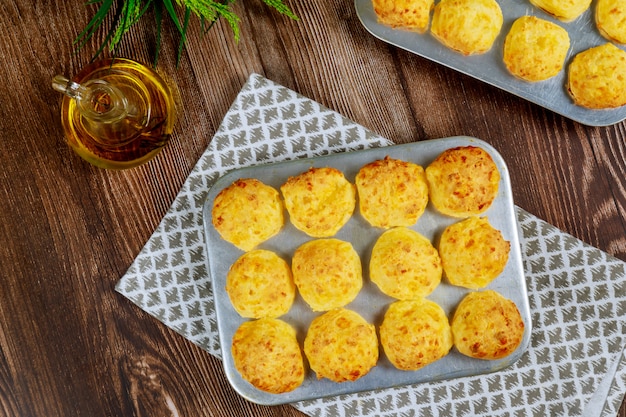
(473, 253)
(535, 49)
(486, 325)
(415, 333)
(341, 346)
(611, 19)
(320, 201)
(260, 284)
(467, 26)
(267, 354)
(405, 14)
(404, 264)
(597, 77)
(392, 192)
(565, 10)
(463, 181)
(247, 213)
(327, 273)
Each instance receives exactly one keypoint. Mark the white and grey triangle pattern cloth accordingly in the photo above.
(575, 364)
(577, 297)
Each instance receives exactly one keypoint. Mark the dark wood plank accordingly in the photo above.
(69, 344)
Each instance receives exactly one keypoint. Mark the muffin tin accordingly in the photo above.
(489, 68)
(371, 303)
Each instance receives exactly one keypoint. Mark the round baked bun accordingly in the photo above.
(415, 333)
(341, 346)
(267, 354)
(473, 253)
(467, 26)
(392, 192)
(535, 49)
(320, 201)
(259, 284)
(247, 213)
(404, 264)
(486, 325)
(565, 10)
(405, 14)
(463, 181)
(597, 77)
(611, 19)
(327, 273)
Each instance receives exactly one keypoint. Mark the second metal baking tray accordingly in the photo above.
(489, 68)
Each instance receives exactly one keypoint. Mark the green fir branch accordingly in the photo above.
(158, 17)
(126, 13)
(281, 8)
(171, 11)
(183, 38)
(131, 12)
(211, 11)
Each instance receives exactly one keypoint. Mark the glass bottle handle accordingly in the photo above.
(97, 100)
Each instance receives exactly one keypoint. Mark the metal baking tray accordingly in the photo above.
(370, 303)
(489, 68)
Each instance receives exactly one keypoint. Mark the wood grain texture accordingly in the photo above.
(69, 344)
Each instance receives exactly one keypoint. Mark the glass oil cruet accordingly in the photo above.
(116, 113)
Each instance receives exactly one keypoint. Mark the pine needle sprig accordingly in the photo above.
(126, 13)
(131, 12)
(281, 8)
(211, 11)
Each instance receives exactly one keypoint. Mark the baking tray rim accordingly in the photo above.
(246, 390)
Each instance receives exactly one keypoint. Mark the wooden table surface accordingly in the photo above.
(72, 346)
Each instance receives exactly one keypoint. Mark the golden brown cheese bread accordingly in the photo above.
(260, 284)
(320, 201)
(391, 192)
(463, 181)
(487, 325)
(406, 14)
(404, 264)
(467, 26)
(565, 10)
(415, 333)
(341, 345)
(611, 19)
(267, 354)
(473, 253)
(247, 213)
(597, 77)
(535, 49)
(327, 273)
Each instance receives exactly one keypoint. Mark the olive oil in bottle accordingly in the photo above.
(116, 113)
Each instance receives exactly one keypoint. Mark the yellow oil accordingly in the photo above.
(132, 145)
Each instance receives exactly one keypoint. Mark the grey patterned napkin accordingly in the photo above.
(575, 366)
